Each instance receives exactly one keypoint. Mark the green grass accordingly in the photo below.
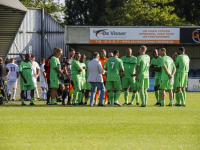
(82, 127)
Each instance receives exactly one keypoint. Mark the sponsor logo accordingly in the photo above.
(195, 35)
(104, 32)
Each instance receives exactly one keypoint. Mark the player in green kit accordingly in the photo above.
(82, 79)
(142, 74)
(26, 82)
(114, 67)
(167, 76)
(55, 74)
(155, 66)
(76, 75)
(174, 56)
(182, 64)
(128, 79)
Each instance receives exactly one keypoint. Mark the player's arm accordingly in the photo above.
(170, 76)
(21, 74)
(101, 71)
(65, 72)
(7, 71)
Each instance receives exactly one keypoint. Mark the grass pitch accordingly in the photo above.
(83, 127)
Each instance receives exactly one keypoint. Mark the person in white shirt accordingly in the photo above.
(43, 79)
(12, 78)
(35, 75)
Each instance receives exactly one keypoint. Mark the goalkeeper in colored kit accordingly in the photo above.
(55, 74)
(26, 82)
(114, 67)
(142, 74)
(167, 76)
(155, 66)
(182, 64)
(128, 79)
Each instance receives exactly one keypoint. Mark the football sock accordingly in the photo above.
(108, 94)
(9, 91)
(14, 93)
(177, 98)
(31, 99)
(126, 94)
(45, 94)
(162, 102)
(75, 96)
(64, 95)
(96, 96)
(180, 94)
(22, 101)
(86, 99)
(146, 96)
(29, 95)
(142, 97)
(116, 96)
(159, 97)
(37, 93)
(48, 96)
(105, 95)
(157, 94)
(137, 97)
(53, 101)
(184, 96)
(111, 97)
(171, 102)
(69, 98)
(133, 97)
(80, 96)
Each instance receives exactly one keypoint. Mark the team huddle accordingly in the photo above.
(128, 72)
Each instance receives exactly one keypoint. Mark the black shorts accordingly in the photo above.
(48, 82)
(68, 82)
(2, 80)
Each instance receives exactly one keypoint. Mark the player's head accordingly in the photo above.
(77, 56)
(91, 56)
(142, 49)
(181, 50)
(58, 52)
(103, 54)
(32, 57)
(54, 50)
(12, 60)
(116, 53)
(83, 58)
(155, 53)
(62, 87)
(110, 55)
(128, 52)
(162, 51)
(71, 52)
(27, 57)
(1, 60)
(42, 61)
(174, 56)
(96, 55)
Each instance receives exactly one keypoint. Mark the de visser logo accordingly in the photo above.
(195, 35)
(104, 32)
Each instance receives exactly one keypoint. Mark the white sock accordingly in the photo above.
(29, 94)
(9, 91)
(14, 92)
(37, 93)
(45, 94)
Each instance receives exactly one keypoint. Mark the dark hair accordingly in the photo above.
(182, 49)
(95, 54)
(32, 56)
(42, 59)
(12, 59)
(116, 52)
(77, 53)
(154, 49)
(71, 50)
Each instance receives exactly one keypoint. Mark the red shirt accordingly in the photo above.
(47, 67)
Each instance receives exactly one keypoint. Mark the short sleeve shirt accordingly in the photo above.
(83, 72)
(143, 61)
(13, 68)
(156, 63)
(25, 68)
(75, 69)
(129, 66)
(42, 79)
(169, 64)
(183, 62)
(87, 72)
(54, 63)
(113, 66)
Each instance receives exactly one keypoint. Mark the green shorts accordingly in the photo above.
(88, 86)
(113, 85)
(83, 84)
(54, 83)
(143, 83)
(165, 84)
(129, 82)
(181, 79)
(77, 84)
(27, 87)
(157, 81)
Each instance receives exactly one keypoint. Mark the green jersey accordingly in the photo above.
(156, 63)
(143, 61)
(183, 62)
(129, 66)
(82, 75)
(25, 68)
(169, 64)
(76, 66)
(175, 72)
(87, 72)
(54, 63)
(113, 66)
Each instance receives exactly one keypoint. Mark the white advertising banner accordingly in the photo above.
(194, 85)
(135, 35)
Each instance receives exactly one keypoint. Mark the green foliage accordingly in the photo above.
(51, 8)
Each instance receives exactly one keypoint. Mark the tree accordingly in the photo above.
(51, 8)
